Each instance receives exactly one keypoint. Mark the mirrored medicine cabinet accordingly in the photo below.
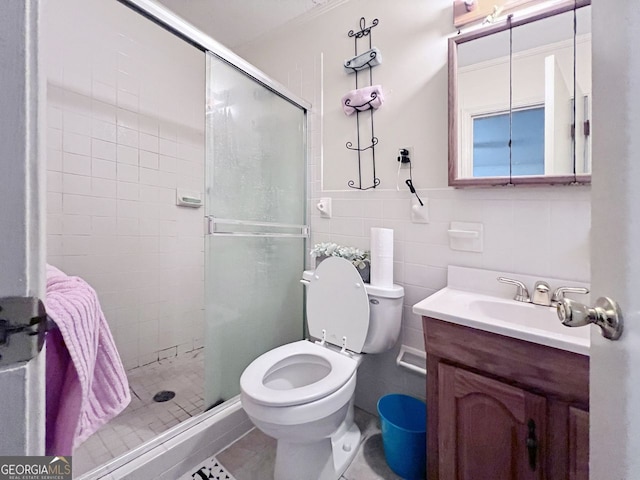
(520, 100)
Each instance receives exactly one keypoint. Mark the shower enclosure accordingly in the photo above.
(256, 210)
(143, 108)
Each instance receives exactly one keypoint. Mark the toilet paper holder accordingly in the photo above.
(412, 359)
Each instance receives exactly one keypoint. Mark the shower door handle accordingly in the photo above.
(225, 227)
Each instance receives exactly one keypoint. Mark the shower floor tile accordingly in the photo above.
(252, 456)
(143, 418)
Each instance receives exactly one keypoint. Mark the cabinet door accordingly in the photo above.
(488, 429)
(578, 444)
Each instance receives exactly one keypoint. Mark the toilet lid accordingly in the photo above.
(338, 303)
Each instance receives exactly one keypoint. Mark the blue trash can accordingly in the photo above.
(404, 434)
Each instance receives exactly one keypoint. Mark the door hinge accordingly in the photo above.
(23, 323)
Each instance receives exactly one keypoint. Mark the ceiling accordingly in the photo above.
(236, 22)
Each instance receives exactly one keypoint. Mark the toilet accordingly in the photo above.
(302, 393)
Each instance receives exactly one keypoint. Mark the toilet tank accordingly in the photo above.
(385, 315)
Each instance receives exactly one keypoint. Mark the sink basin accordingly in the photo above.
(525, 314)
(525, 321)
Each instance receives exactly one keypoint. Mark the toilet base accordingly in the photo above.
(326, 459)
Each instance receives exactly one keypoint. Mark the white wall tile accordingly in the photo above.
(54, 202)
(168, 147)
(76, 184)
(103, 130)
(54, 139)
(103, 169)
(148, 125)
(77, 164)
(76, 224)
(127, 173)
(101, 187)
(127, 100)
(103, 92)
(104, 185)
(76, 123)
(127, 136)
(76, 204)
(54, 181)
(103, 150)
(126, 154)
(54, 160)
(149, 143)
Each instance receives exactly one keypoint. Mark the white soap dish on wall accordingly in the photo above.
(466, 237)
(187, 198)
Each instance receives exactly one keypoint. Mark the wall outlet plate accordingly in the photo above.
(410, 155)
(324, 207)
(419, 213)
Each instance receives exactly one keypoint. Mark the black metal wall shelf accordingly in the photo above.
(362, 65)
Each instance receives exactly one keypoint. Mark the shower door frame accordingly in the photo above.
(181, 28)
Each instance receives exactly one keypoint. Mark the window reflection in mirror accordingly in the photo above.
(491, 156)
(541, 125)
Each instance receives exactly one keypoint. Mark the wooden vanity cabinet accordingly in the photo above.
(501, 408)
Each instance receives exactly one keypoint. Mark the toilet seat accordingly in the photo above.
(340, 368)
(338, 305)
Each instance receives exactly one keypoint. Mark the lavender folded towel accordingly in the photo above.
(362, 99)
(86, 385)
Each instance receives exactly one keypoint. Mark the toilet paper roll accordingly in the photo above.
(382, 257)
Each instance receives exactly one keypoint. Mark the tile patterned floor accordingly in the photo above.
(252, 456)
(143, 419)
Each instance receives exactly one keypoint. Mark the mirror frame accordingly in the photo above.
(502, 25)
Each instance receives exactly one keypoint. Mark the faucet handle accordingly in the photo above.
(522, 294)
(541, 295)
(558, 294)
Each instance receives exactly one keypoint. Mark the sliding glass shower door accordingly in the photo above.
(256, 179)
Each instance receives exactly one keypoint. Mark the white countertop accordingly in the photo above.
(496, 314)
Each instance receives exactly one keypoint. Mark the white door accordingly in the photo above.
(21, 207)
(615, 234)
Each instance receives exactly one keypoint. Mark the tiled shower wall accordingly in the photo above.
(125, 129)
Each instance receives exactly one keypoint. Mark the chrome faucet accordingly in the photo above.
(541, 294)
(522, 294)
(558, 295)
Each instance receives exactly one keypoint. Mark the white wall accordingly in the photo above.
(126, 106)
(542, 231)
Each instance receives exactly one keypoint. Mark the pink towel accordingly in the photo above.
(86, 382)
(362, 99)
